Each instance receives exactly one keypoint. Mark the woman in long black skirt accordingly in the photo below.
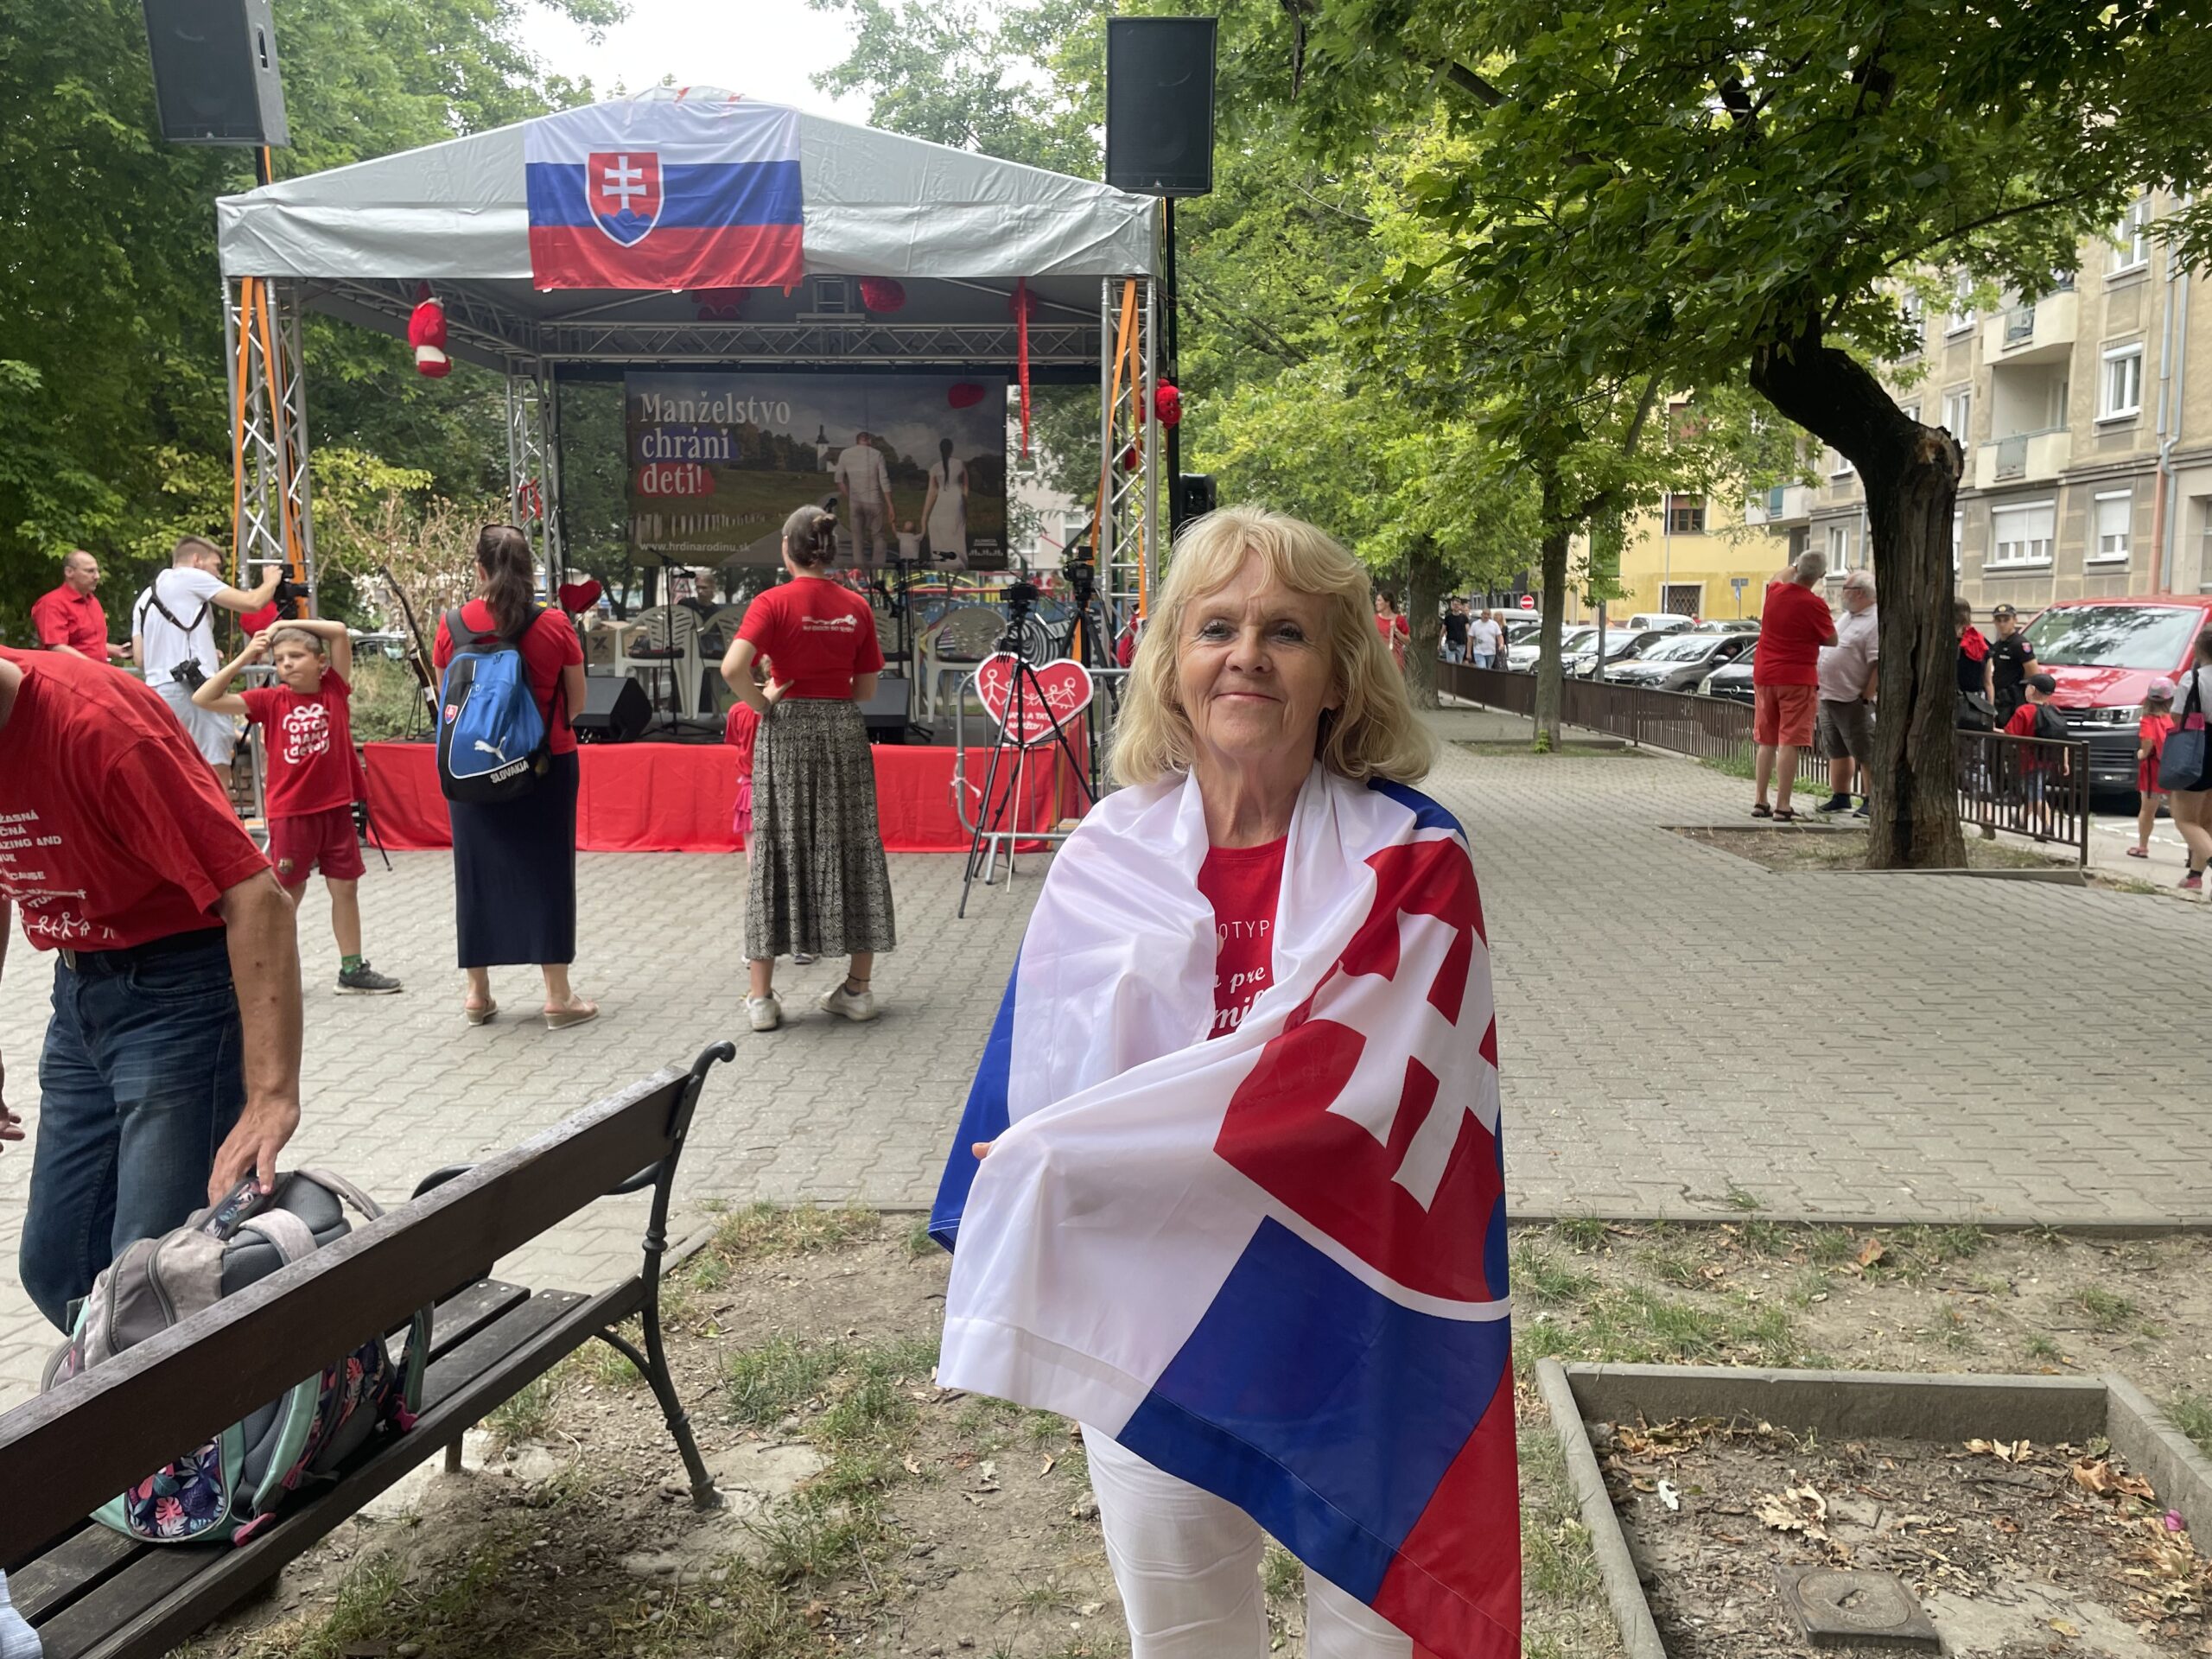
(819, 885)
(514, 862)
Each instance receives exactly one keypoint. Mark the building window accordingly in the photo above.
(1913, 310)
(1840, 464)
(2120, 393)
(1961, 315)
(2110, 520)
(1686, 515)
(2022, 535)
(1958, 413)
(1958, 540)
(2131, 239)
(1838, 548)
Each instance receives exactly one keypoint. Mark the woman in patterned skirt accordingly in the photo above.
(819, 886)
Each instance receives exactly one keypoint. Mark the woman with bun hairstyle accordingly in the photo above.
(819, 885)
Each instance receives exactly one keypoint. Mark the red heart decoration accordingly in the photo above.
(1065, 684)
(577, 597)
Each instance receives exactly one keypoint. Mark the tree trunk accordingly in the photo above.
(1424, 589)
(1910, 474)
(1558, 532)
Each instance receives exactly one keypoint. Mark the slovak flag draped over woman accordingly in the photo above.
(1242, 1212)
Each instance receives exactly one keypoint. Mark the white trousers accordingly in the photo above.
(1187, 1564)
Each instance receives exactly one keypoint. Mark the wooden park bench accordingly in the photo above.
(91, 1594)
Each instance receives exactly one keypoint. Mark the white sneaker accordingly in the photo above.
(856, 1006)
(766, 1013)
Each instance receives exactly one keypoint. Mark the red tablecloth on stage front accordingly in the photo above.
(676, 797)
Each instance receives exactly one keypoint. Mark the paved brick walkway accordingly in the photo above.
(1677, 1023)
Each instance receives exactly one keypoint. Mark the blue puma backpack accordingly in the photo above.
(493, 744)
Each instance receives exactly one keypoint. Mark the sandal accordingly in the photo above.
(1761, 810)
(1785, 815)
(479, 1016)
(577, 1015)
(2139, 852)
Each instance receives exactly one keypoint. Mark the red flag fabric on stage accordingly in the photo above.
(665, 193)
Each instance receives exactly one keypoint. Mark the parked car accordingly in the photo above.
(1733, 681)
(2104, 653)
(1621, 646)
(1521, 627)
(1523, 658)
(1729, 625)
(1658, 622)
(1678, 661)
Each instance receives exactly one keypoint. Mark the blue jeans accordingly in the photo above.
(1454, 653)
(142, 1077)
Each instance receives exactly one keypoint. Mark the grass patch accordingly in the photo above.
(596, 1361)
(1281, 1575)
(918, 1241)
(2039, 1346)
(1766, 1238)
(1564, 1598)
(2107, 1310)
(376, 1605)
(769, 1382)
(1831, 1247)
(1580, 1233)
(528, 1414)
(2192, 1415)
(1541, 1277)
(1634, 1324)
(1673, 1262)
(761, 1231)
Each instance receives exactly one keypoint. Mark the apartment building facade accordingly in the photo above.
(2087, 420)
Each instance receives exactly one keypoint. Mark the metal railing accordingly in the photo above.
(2028, 786)
(2024, 786)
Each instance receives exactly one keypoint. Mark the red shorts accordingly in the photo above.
(1783, 714)
(297, 846)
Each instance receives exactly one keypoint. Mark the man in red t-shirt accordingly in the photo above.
(1794, 624)
(313, 775)
(171, 1069)
(70, 618)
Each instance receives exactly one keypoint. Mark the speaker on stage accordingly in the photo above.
(1194, 496)
(890, 711)
(615, 710)
(1159, 105)
(215, 78)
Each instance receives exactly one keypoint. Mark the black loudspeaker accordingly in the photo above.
(615, 710)
(215, 78)
(890, 711)
(1159, 105)
(1194, 496)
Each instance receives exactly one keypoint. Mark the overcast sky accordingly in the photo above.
(768, 49)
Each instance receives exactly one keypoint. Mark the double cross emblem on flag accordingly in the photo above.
(625, 188)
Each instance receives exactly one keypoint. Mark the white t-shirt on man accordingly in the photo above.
(1845, 666)
(1484, 636)
(189, 592)
(862, 475)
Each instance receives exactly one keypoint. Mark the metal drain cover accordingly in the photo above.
(1851, 1609)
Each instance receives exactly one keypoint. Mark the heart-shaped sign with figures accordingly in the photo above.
(1064, 685)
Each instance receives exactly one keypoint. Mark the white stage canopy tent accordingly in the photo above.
(958, 231)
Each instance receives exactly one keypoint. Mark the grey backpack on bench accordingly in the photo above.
(227, 1488)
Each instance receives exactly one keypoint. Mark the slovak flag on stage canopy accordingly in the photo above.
(666, 192)
(1272, 1263)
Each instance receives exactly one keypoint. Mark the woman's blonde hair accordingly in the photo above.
(1372, 733)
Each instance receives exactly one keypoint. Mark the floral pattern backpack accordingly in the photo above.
(228, 1488)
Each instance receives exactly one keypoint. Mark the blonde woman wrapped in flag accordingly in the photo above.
(1243, 1213)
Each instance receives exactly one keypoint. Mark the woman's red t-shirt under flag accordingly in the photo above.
(310, 745)
(1242, 884)
(820, 634)
(112, 831)
(1792, 623)
(548, 645)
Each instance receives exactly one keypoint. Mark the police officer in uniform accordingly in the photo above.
(2010, 660)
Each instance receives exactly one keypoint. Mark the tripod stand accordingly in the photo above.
(998, 817)
(1090, 642)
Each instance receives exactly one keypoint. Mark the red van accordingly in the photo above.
(2104, 653)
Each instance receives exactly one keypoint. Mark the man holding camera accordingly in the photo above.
(173, 639)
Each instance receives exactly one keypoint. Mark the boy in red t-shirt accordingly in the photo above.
(313, 773)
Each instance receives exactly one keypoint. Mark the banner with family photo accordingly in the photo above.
(914, 465)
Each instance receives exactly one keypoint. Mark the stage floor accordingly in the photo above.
(678, 797)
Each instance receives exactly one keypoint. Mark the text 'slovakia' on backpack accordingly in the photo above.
(227, 1488)
(493, 743)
